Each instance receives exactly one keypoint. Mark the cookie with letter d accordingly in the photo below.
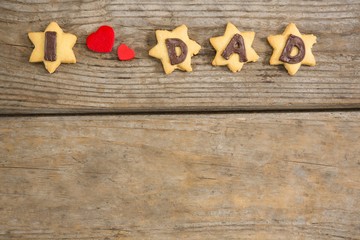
(292, 49)
(175, 49)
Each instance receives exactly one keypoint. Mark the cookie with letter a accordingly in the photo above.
(234, 48)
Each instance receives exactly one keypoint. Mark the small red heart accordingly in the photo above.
(102, 40)
(125, 53)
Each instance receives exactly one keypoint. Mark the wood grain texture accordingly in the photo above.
(100, 83)
(241, 176)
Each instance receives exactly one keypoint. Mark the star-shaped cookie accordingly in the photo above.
(234, 48)
(175, 49)
(292, 49)
(52, 47)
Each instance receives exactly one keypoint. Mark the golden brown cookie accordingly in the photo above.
(234, 48)
(52, 47)
(292, 49)
(175, 49)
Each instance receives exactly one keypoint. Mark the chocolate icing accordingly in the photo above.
(50, 46)
(293, 41)
(236, 45)
(171, 45)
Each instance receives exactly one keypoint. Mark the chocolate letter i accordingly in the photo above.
(50, 46)
(171, 45)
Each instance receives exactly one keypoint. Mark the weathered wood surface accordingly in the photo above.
(100, 83)
(241, 176)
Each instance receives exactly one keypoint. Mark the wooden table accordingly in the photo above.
(104, 149)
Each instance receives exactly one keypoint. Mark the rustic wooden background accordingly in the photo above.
(114, 150)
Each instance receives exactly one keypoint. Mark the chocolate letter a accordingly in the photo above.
(236, 45)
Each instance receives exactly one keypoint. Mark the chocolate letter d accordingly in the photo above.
(171, 45)
(293, 41)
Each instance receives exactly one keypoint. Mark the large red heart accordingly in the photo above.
(125, 53)
(102, 40)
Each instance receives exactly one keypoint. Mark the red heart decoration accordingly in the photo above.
(125, 53)
(102, 40)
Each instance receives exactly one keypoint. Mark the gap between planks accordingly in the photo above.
(152, 113)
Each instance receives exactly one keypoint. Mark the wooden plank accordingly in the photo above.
(248, 176)
(100, 83)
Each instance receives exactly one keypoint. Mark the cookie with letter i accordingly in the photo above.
(52, 47)
(234, 48)
(292, 49)
(175, 49)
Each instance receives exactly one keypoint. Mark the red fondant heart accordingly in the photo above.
(125, 53)
(102, 40)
